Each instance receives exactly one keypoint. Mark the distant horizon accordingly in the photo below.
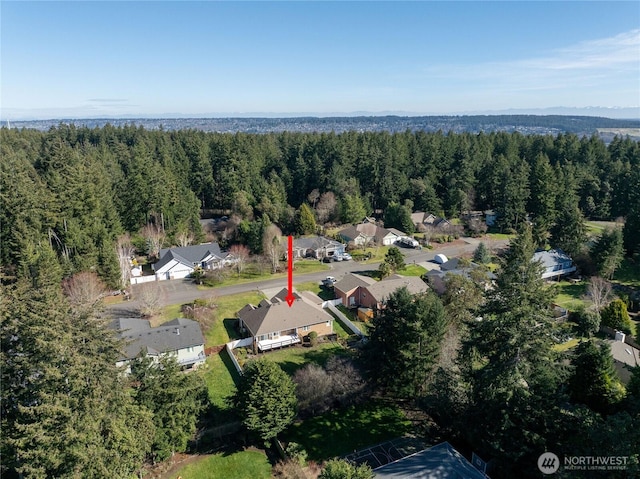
(623, 113)
(234, 59)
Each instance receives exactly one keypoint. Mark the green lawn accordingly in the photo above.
(500, 236)
(316, 288)
(412, 270)
(377, 254)
(252, 274)
(220, 377)
(293, 358)
(361, 325)
(570, 295)
(568, 345)
(628, 274)
(347, 430)
(222, 330)
(238, 465)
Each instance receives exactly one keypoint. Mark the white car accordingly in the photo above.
(329, 281)
(337, 257)
(346, 257)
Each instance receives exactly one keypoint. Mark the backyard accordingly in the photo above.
(237, 465)
(343, 431)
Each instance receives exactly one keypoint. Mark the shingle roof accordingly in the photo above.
(171, 336)
(276, 315)
(189, 255)
(551, 258)
(314, 242)
(351, 281)
(382, 289)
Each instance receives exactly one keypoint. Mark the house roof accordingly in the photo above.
(439, 462)
(625, 353)
(381, 290)
(396, 232)
(368, 230)
(417, 217)
(276, 315)
(551, 257)
(351, 281)
(171, 336)
(189, 255)
(314, 242)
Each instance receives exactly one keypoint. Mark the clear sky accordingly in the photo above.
(120, 58)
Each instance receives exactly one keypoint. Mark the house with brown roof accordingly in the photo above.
(348, 289)
(357, 290)
(274, 324)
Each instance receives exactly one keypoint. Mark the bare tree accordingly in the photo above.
(313, 197)
(241, 254)
(273, 246)
(184, 238)
(313, 389)
(149, 297)
(600, 293)
(84, 290)
(124, 252)
(326, 207)
(154, 237)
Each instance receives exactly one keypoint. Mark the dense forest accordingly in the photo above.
(78, 189)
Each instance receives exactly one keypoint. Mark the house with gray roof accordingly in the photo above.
(348, 289)
(375, 295)
(181, 338)
(556, 263)
(180, 262)
(365, 233)
(316, 247)
(273, 323)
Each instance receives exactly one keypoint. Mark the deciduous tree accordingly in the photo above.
(240, 254)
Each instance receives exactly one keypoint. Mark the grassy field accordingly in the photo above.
(222, 330)
(570, 295)
(344, 431)
(568, 345)
(413, 270)
(220, 377)
(293, 358)
(251, 273)
(628, 274)
(500, 236)
(316, 288)
(238, 465)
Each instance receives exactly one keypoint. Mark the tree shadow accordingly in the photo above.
(231, 327)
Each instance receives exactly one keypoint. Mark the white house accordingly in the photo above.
(177, 263)
(556, 263)
(365, 233)
(181, 338)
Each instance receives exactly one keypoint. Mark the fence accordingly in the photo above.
(142, 279)
(344, 319)
(230, 346)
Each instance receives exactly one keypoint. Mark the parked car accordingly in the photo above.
(329, 281)
(326, 259)
(346, 257)
(337, 257)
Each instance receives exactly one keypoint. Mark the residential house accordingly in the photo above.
(375, 295)
(316, 247)
(625, 356)
(442, 461)
(349, 288)
(273, 323)
(181, 338)
(437, 278)
(423, 220)
(366, 233)
(180, 262)
(356, 290)
(556, 263)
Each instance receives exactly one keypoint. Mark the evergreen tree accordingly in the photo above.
(594, 382)
(481, 254)
(175, 399)
(352, 208)
(342, 469)
(305, 220)
(266, 399)
(569, 231)
(616, 316)
(65, 409)
(399, 217)
(394, 259)
(405, 341)
(608, 252)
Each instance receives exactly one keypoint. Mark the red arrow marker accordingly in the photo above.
(290, 297)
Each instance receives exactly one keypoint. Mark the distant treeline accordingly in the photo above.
(79, 188)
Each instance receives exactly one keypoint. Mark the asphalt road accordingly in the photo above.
(181, 291)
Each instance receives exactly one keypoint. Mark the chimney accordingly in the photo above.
(620, 336)
(178, 331)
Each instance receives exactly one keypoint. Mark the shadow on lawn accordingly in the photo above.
(230, 327)
(316, 356)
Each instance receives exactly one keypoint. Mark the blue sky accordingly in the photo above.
(119, 58)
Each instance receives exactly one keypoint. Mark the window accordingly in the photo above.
(305, 328)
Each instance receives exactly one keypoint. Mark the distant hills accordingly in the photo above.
(526, 124)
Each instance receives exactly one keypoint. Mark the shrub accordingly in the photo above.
(616, 316)
(313, 338)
